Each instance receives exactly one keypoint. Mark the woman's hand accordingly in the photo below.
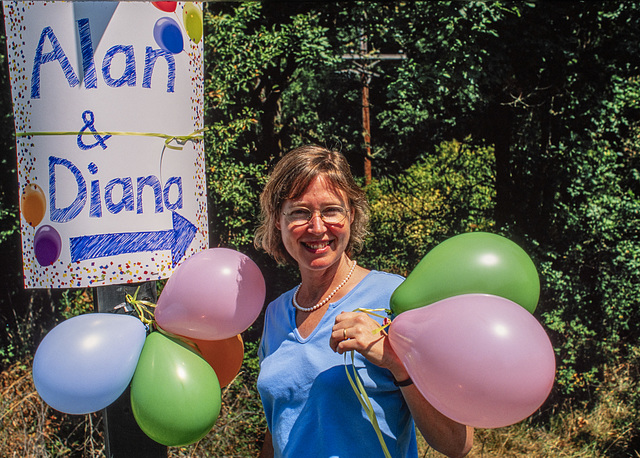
(358, 331)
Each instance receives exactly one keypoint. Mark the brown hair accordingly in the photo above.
(289, 179)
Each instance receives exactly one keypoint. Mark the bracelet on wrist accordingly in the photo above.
(406, 382)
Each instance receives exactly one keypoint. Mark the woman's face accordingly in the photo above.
(316, 244)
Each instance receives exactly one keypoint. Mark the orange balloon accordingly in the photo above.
(224, 356)
(33, 204)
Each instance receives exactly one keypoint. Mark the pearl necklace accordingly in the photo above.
(326, 299)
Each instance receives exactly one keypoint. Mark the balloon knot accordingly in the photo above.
(144, 309)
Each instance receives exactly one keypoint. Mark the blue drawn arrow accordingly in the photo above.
(177, 240)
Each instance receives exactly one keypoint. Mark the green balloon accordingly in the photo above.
(192, 18)
(175, 394)
(473, 263)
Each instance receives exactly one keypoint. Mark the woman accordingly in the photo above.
(314, 215)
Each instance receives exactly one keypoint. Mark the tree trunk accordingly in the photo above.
(501, 124)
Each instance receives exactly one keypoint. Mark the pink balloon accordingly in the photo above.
(479, 359)
(215, 294)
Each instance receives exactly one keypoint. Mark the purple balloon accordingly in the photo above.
(168, 35)
(479, 359)
(47, 245)
(215, 294)
(86, 362)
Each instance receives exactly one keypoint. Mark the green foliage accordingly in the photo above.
(75, 302)
(251, 60)
(8, 195)
(9, 218)
(588, 216)
(442, 195)
(250, 63)
(590, 286)
(233, 178)
(234, 188)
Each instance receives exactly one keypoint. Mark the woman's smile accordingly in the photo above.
(317, 246)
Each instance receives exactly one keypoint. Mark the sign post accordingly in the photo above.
(108, 112)
(123, 436)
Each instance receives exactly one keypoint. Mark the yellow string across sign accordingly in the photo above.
(180, 139)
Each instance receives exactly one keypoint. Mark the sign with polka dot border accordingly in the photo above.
(108, 109)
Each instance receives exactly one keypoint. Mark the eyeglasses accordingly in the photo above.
(330, 215)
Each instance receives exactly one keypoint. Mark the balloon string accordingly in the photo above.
(371, 312)
(365, 402)
(358, 387)
(180, 139)
(142, 308)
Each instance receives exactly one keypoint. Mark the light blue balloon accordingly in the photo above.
(86, 362)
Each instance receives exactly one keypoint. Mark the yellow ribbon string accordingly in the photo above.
(180, 139)
(142, 308)
(371, 312)
(358, 387)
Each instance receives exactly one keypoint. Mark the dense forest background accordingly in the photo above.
(518, 118)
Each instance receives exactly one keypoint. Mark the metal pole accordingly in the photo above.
(123, 436)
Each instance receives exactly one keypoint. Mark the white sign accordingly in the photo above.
(108, 106)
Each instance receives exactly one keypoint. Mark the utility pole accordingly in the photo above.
(364, 61)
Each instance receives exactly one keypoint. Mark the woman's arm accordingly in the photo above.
(443, 434)
(267, 446)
